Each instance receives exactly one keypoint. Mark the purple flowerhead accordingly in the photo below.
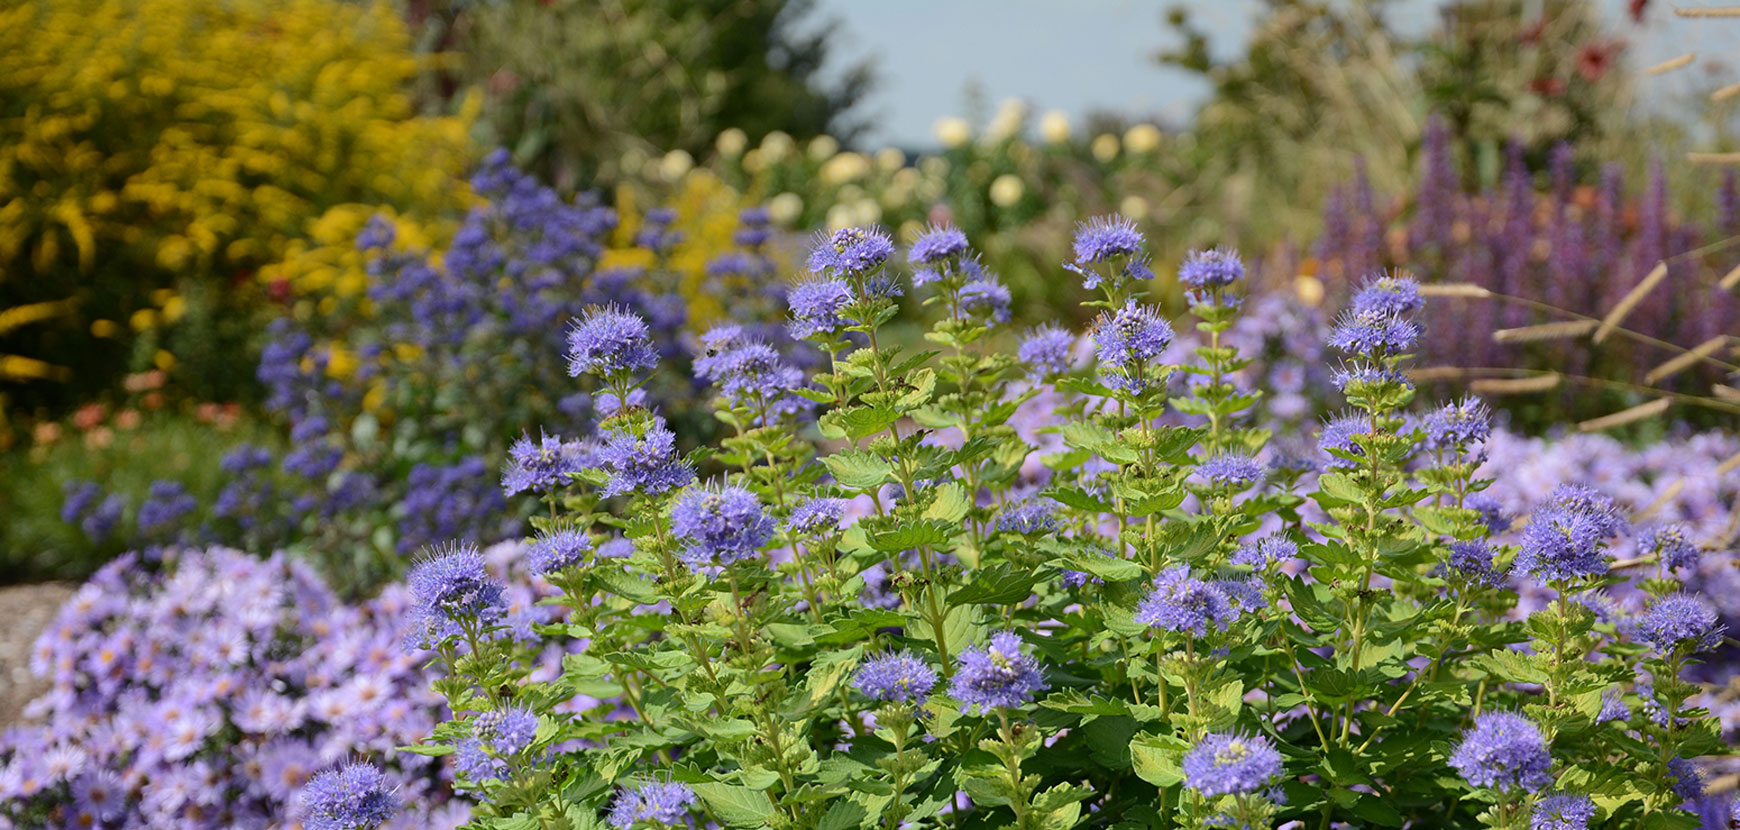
(1182, 603)
(542, 466)
(1670, 544)
(818, 515)
(610, 342)
(1265, 552)
(643, 462)
(1562, 811)
(815, 307)
(352, 797)
(556, 549)
(898, 676)
(1366, 373)
(850, 252)
(1230, 469)
(938, 244)
(1212, 269)
(1128, 340)
(1389, 294)
(1045, 350)
(985, 299)
(1566, 539)
(1470, 563)
(1372, 334)
(509, 730)
(1491, 512)
(1613, 708)
(663, 803)
(452, 581)
(721, 524)
(1503, 751)
(1686, 778)
(996, 675)
(1458, 424)
(1680, 622)
(1231, 763)
(1028, 516)
(1112, 241)
(1339, 434)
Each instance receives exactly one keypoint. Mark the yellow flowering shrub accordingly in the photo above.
(180, 145)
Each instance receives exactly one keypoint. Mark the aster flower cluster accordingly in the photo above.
(996, 675)
(1503, 751)
(898, 677)
(660, 803)
(721, 524)
(1129, 342)
(1108, 251)
(543, 466)
(1567, 538)
(1226, 763)
(1185, 604)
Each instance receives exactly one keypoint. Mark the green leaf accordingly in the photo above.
(1098, 440)
(1157, 759)
(1108, 568)
(909, 536)
(950, 503)
(998, 585)
(626, 585)
(736, 806)
(858, 469)
(844, 815)
(426, 749)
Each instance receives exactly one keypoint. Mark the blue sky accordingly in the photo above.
(1083, 55)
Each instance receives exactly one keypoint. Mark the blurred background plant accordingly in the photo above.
(155, 153)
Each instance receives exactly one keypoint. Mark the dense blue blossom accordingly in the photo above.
(1491, 511)
(996, 675)
(541, 466)
(1366, 373)
(450, 584)
(558, 548)
(1471, 562)
(166, 502)
(1228, 763)
(1230, 469)
(895, 676)
(937, 244)
(1129, 340)
(1562, 811)
(1669, 542)
(1182, 603)
(850, 252)
(1338, 434)
(660, 802)
(1045, 350)
(610, 342)
(508, 730)
(1265, 552)
(77, 497)
(1566, 539)
(1680, 622)
(643, 462)
(985, 299)
(1686, 778)
(721, 524)
(1372, 334)
(1503, 751)
(819, 514)
(1388, 294)
(1460, 423)
(1211, 270)
(352, 797)
(816, 305)
(1028, 516)
(1613, 708)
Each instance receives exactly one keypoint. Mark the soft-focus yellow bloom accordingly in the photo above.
(731, 142)
(1309, 289)
(785, 208)
(845, 167)
(890, 160)
(1007, 122)
(823, 147)
(1134, 207)
(1142, 139)
(1006, 190)
(1105, 147)
(1054, 127)
(776, 146)
(953, 132)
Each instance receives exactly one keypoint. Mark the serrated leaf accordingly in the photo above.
(736, 806)
(858, 469)
(950, 503)
(912, 535)
(998, 585)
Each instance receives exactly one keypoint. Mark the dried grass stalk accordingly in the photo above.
(1427, 374)
(1632, 298)
(1730, 279)
(1708, 11)
(1671, 64)
(1682, 362)
(1726, 393)
(1725, 93)
(1516, 386)
(1672, 492)
(1544, 331)
(1454, 289)
(1713, 158)
(1726, 467)
(1626, 416)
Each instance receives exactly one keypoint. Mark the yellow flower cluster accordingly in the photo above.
(146, 141)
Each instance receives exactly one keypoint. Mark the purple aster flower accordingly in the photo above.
(352, 797)
(509, 731)
(1230, 469)
(645, 463)
(1265, 552)
(1389, 294)
(1029, 516)
(1212, 269)
(1127, 341)
(77, 497)
(722, 525)
(1459, 424)
(819, 514)
(716, 346)
(660, 802)
(753, 374)
(556, 549)
(609, 342)
(1613, 708)
(1503, 751)
(815, 307)
(1231, 763)
(1566, 539)
(1108, 239)
(895, 676)
(996, 675)
(1471, 563)
(542, 466)
(449, 583)
(1680, 622)
(1491, 512)
(1338, 434)
(1045, 350)
(1372, 334)
(850, 252)
(166, 502)
(937, 244)
(1686, 778)
(1669, 544)
(1562, 811)
(985, 299)
(1182, 603)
